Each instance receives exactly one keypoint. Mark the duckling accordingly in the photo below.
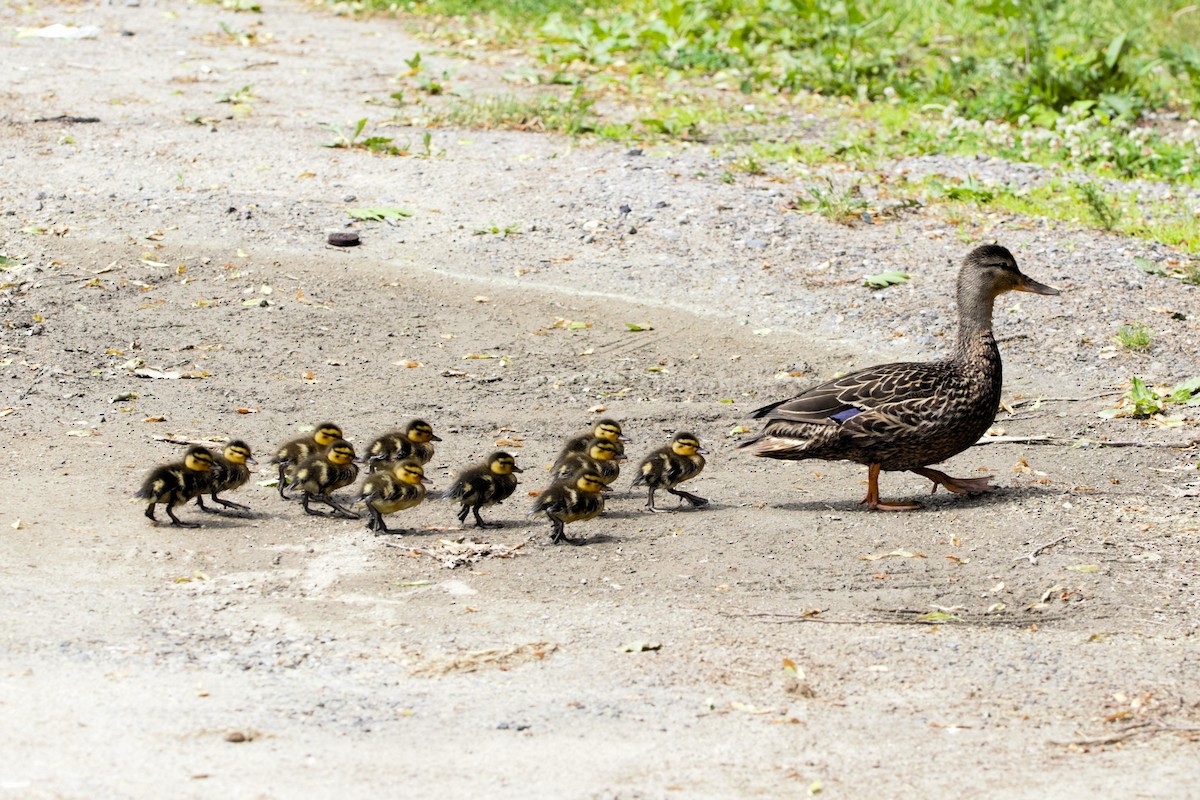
(608, 429)
(602, 457)
(228, 473)
(668, 466)
(177, 483)
(298, 450)
(486, 484)
(320, 475)
(578, 498)
(391, 490)
(412, 443)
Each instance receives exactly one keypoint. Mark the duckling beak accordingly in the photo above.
(701, 451)
(425, 480)
(1030, 285)
(517, 469)
(624, 438)
(252, 462)
(433, 437)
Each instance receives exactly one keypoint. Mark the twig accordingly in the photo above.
(1149, 727)
(1039, 550)
(782, 617)
(1027, 400)
(1063, 442)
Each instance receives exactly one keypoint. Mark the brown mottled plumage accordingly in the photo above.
(321, 475)
(485, 484)
(905, 416)
(390, 490)
(580, 497)
(608, 429)
(414, 443)
(177, 483)
(670, 465)
(298, 450)
(228, 473)
(601, 456)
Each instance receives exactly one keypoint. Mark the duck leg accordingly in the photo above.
(229, 503)
(338, 507)
(462, 514)
(696, 500)
(956, 485)
(872, 499)
(177, 521)
(650, 503)
(558, 533)
(282, 479)
(479, 523)
(378, 524)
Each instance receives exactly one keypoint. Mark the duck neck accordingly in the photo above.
(975, 320)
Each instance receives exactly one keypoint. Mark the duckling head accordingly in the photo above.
(327, 433)
(420, 431)
(341, 452)
(591, 482)
(198, 458)
(686, 444)
(238, 452)
(610, 429)
(502, 463)
(410, 472)
(604, 450)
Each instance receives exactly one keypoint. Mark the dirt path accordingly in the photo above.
(280, 655)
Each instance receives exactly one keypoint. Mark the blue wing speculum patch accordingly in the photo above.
(845, 414)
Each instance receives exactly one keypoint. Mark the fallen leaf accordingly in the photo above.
(894, 554)
(937, 616)
(635, 326)
(248, 410)
(1085, 568)
(155, 419)
(640, 647)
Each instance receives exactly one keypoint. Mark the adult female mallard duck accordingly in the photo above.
(906, 416)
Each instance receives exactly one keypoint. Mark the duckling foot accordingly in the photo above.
(956, 485)
(479, 523)
(230, 504)
(695, 500)
(177, 521)
(558, 533)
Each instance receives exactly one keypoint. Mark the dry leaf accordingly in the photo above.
(894, 554)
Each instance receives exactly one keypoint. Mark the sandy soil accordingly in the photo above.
(280, 655)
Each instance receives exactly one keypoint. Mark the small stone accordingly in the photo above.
(343, 238)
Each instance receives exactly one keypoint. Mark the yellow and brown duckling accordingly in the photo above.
(321, 475)
(413, 443)
(670, 465)
(607, 429)
(485, 484)
(578, 498)
(390, 490)
(230, 471)
(906, 416)
(299, 450)
(602, 456)
(178, 482)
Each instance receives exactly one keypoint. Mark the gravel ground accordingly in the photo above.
(279, 655)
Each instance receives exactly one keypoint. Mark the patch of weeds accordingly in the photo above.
(1144, 401)
(677, 123)
(829, 201)
(375, 144)
(571, 115)
(1103, 208)
(238, 96)
(496, 230)
(1135, 337)
(969, 190)
(240, 37)
(885, 279)
(749, 164)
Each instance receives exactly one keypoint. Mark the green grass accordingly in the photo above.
(1136, 337)
(571, 115)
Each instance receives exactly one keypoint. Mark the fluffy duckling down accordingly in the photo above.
(177, 482)
(668, 466)
(399, 486)
(230, 471)
(321, 475)
(486, 484)
(413, 443)
(297, 451)
(578, 498)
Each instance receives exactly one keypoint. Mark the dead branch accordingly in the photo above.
(1147, 728)
(1083, 443)
(1032, 556)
